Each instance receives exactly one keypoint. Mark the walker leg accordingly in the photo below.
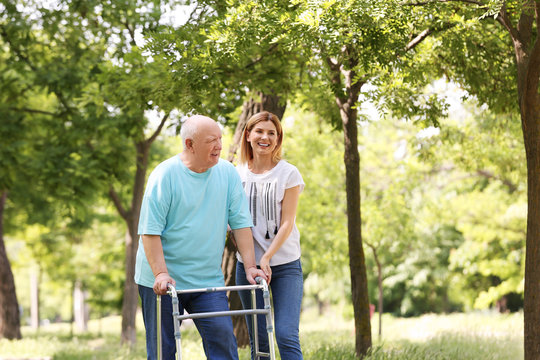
(158, 315)
(269, 323)
(176, 314)
(255, 327)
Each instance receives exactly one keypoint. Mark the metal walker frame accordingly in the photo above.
(177, 318)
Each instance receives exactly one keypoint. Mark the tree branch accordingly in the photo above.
(20, 54)
(194, 13)
(130, 30)
(425, 34)
(268, 52)
(35, 111)
(418, 39)
(503, 17)
(158, 130)
(537, 11)
(525, 23)
(505, 21)
(487, 174)
(118, 203)
(533, 68)
(336, 79)
(15, 49)
(422, 3)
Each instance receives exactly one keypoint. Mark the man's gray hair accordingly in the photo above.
(188, 130)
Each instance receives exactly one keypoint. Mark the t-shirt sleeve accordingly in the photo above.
(239, 216)
(294, 178)
(155, 204)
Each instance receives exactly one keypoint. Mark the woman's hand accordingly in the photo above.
(264, 263)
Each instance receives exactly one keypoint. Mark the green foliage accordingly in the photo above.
(233, 52)
(414, 261)
(61, 256)
(440, 209)
(476, 45)
(312, 146)
(484, 197)
(77, 97)
(372, 39)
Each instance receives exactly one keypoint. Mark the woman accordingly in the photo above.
(273, 187)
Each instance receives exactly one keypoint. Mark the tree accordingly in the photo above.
(478, 161)
(248, 74)
(88, 58)
(252, 106)
(513, 48)
(348, 45)
(313, 146)
(387, 186)
(356, 43)
(9, 315)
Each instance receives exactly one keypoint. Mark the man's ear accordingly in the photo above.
(189, 144)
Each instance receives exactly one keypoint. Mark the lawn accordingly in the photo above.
(329, 337)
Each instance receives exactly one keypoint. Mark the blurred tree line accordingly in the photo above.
(445, 212)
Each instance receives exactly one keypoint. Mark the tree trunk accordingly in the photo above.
(269, 103)
(229, 271)
(379, 285)
(72, 320)
(530, 117)
(527, 53)
(80, 307)
(380, 305)
(357, 262)
(130, 301)
(10, 326)
(347, 102)
(131, 217)
(34, 297)
(531, 309)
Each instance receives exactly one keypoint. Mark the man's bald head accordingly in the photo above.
(193, 125)
(201, 136)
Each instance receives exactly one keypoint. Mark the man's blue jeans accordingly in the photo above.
(217, 332)
(287, 290)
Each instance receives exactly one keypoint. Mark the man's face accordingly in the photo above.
(207, 146)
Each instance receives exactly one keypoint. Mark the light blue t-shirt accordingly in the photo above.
(190, 211)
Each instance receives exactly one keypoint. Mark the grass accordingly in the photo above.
(330, 337)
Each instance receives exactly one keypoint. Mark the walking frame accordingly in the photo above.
(177, 318)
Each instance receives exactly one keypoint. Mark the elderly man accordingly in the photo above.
(188, 203)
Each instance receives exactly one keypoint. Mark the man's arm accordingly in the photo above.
(154, 254)
(244, 242)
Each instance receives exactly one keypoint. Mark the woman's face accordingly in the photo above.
(263, 138)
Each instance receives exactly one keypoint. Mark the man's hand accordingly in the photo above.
(252, 272)
(161, 283)
(244, 241)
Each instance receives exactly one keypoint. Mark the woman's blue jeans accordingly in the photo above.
(217, 333)
(287, 289)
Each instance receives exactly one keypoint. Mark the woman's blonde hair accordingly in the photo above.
(246, 151)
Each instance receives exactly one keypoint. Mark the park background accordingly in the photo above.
(403, 119)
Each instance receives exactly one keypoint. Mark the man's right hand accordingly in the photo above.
(161, 283)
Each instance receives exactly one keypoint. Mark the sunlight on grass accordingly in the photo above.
(330, 336)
